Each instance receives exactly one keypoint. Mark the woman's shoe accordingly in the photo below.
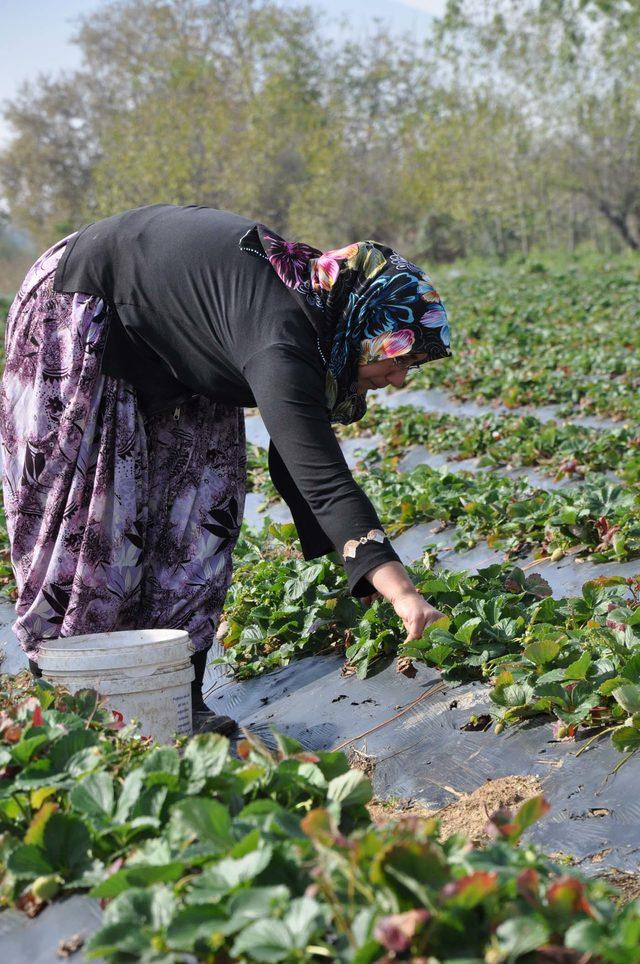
(206, 721)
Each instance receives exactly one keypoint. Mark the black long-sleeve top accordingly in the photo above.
(194, 314)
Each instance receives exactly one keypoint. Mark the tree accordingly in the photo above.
(572, 67)
(515, 124)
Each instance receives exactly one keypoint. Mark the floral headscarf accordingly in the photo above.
(366, 304)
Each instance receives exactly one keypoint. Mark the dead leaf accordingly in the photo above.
(69, 945)
(406, 667)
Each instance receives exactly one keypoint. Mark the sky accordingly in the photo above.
(35, 35)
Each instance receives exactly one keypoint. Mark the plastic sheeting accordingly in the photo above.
(36, 940)
(412, 733)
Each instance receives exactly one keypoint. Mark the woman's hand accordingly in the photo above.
(415, 612)
(391, 580)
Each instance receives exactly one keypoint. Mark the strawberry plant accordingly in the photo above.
(545, 333)
(561, 659)
(267, 856)
(598, 518)
(560, 450)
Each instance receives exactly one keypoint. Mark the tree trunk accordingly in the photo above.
(619, 222)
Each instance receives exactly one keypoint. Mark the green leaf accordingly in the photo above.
(303, 918)
(626, 738)
(129, 922)
(84, 761)
(350, 788)
(513, 694)
(129, 795)
(521, 935)
(94, 796)
(205, 821)
(253, 903)
(65, 748)
(264, 940)
(531, 811)
(465, 633)
(628, 696)
(296, 588)
(162, 767)
(162, 759)
(584, 936)
(221, 878)
(35, 831)
(541, 651)
(579, 668)
(194, 924)
(23, 751)
(206, 754)
(333, 763)
(113, 940)
(66, 845)
(138, 876)
(27, 860)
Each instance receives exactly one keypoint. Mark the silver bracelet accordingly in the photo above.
(352, 546)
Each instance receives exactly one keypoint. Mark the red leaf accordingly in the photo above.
(470, 890)
(528, 886)
(567, 894)
(118, 720)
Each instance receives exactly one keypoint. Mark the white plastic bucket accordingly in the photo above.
(142, 673)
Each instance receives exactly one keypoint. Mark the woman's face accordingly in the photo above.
(378, 374)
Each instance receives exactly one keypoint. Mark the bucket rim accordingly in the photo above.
(119, 641)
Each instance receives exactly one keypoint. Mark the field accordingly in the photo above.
(508, 478)
(546, 497)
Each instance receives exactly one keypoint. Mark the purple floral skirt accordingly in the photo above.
(116, 520)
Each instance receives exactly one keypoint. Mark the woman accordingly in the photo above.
(132, 348)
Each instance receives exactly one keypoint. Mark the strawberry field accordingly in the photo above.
(509, 481)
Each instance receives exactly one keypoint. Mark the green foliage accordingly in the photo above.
(573, 661)
(364, 134)
(280, 607)
(530, 347)
(561, 450)
(598, 518)
(264, 856)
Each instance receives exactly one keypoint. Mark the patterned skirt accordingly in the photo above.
(116, 520)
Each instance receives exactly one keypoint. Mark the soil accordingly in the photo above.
(470, 813)
(626, 883)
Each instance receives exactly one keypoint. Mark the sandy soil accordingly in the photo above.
(469, 814)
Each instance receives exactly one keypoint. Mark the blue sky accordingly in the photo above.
(35, 34)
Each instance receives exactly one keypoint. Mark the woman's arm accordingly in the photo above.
(288, 386)
(289, 390)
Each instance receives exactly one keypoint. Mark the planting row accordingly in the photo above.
(269, 856)
(562, 451)
(543, 335)
(574, 661)
(598, 518)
